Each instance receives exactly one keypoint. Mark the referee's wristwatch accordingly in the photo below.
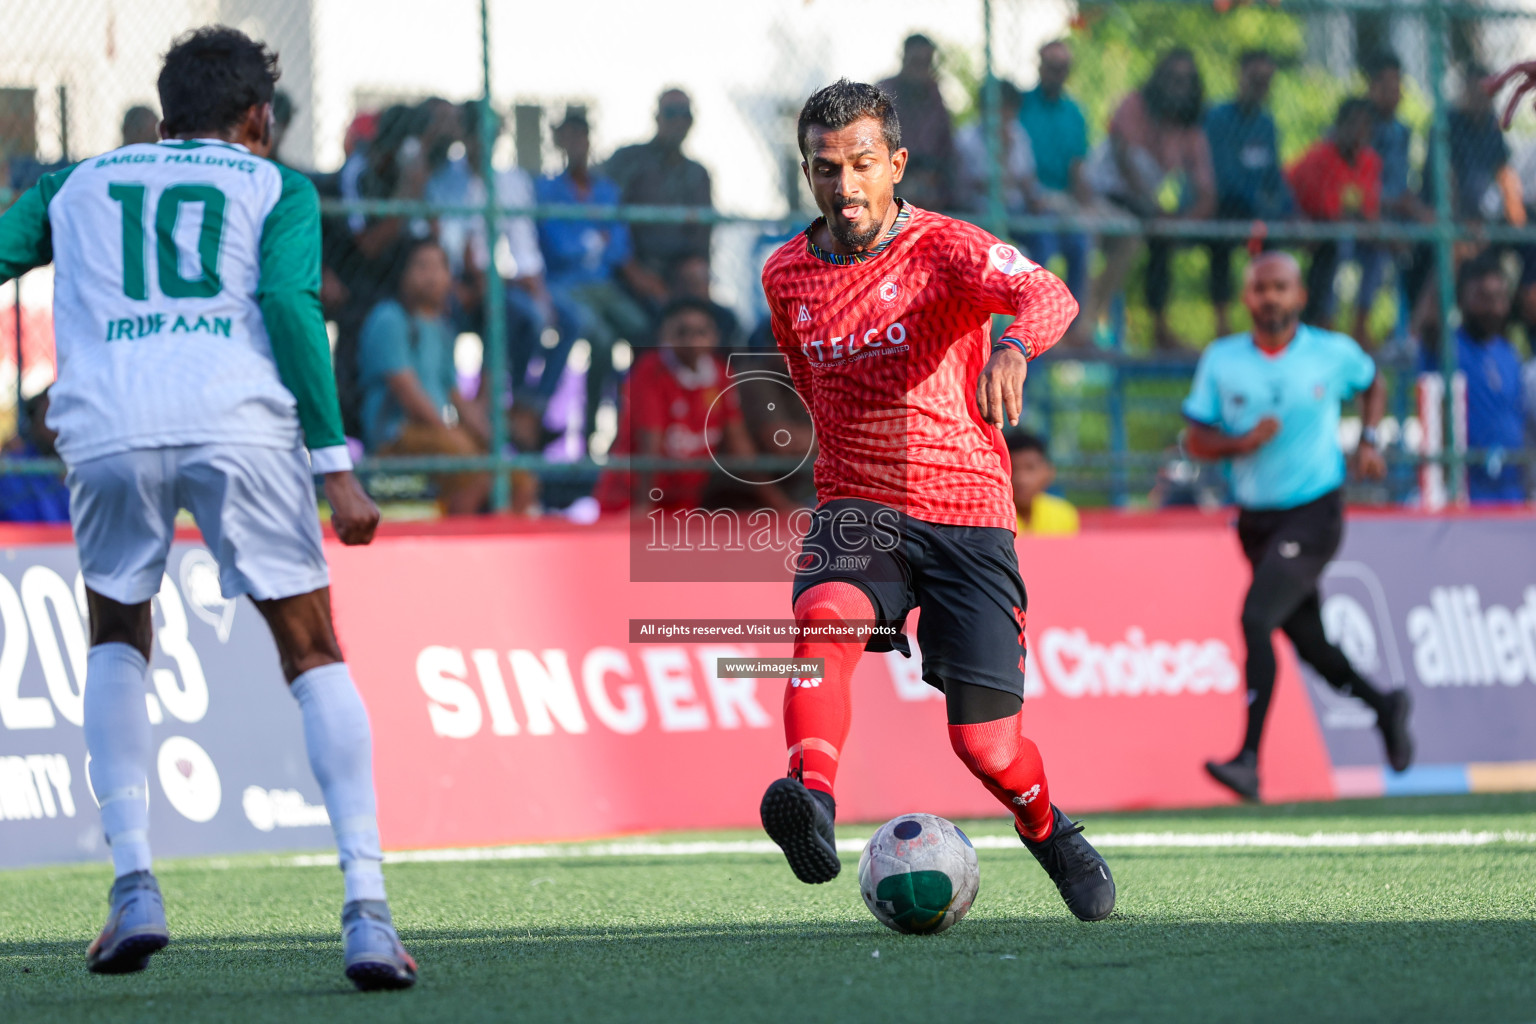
(1370, 436)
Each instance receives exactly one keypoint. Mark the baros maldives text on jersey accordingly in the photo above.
(189, 313)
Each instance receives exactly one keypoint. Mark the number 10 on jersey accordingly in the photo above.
(133, 199)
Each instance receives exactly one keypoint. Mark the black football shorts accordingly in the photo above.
(965, 580)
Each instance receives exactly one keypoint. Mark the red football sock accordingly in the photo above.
(817, 711)
(1008, 763)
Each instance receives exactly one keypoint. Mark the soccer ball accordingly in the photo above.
(918, 874)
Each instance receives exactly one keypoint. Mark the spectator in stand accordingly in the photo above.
(140, 125)
(1018, 160)
(1245, 153)
(33, 497)
(1156, 163)
(926, 132)
(367, 253)
(1338, 179)
(658, 173)
(1484, 188)
(531, 309)
(409, 383)
(1058, 138)
(1391, 139)
(589, 262)
(690, 280)
(676, 404)
(1495, 398)
(1040, 513)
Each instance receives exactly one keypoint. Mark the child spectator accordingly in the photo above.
(1338, 179)
(1040, 513)
(33, 497)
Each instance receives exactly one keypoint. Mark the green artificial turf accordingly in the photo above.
(1442, 933)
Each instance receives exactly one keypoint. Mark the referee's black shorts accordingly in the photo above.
(964, 578)
(1305, 537)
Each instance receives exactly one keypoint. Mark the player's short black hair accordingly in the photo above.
(1255, 56)
(688, 304)
(917, 39)
(211, 77)
(843, 102)
(1024, 441)
(1485, 264)
(1382, 60)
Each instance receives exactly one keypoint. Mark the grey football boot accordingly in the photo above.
(374, 956)
(135, 927)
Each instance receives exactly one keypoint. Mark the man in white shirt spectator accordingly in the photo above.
(1017, 157)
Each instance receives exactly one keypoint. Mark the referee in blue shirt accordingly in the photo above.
(1268, 401)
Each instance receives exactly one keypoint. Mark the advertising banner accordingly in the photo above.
(228, 771)
(508, 703)
(1455, 622)
(512, 699)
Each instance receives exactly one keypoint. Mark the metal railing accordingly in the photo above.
(1120, 459)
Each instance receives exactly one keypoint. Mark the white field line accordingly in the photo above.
(1143, 840)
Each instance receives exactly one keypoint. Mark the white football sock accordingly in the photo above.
(117, 737)
(340, 746)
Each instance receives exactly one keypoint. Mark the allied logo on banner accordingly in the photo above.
(1458, 642)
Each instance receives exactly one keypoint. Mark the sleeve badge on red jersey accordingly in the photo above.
(1009, 260)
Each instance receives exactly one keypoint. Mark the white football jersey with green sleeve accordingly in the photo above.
(186, 301)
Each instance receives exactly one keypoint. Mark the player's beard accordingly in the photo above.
(844, 231)
(1276, 319)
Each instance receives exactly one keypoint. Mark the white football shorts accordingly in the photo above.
(254, 506)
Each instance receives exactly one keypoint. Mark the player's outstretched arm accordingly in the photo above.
(26, 238)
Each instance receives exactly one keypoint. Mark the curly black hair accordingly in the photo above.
(211, 77)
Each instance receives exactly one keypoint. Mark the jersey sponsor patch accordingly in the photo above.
(805, 315)
(1010, 261)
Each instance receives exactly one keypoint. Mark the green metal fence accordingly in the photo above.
(1111, 414)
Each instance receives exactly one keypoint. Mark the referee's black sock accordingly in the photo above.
(1306, 633)
(1259, 671)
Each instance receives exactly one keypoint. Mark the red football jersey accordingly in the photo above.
(662, 395)
(886, 353)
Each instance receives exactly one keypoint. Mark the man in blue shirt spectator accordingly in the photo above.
(1058, 136)
(1495, 399)
(588, 261)
(1246, 153)
(1268, 401)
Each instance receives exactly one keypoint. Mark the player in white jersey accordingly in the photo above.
(193, 368)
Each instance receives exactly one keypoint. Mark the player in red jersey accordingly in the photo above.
(884, 313)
